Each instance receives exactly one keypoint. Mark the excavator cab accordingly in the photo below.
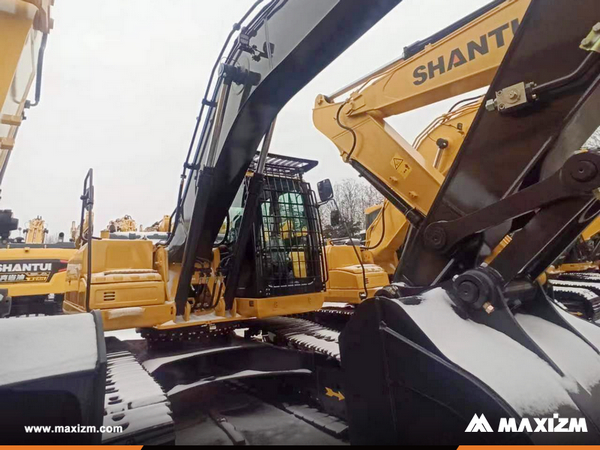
(285, 254)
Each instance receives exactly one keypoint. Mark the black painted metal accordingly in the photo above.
(222, 358)
(8, 223)
(205, 182)
(251, 207)
(318, 35)
(577, 178)
(87, 205)
(418, 46)
(505, 152)
(411, 214)
(433, 399)
(400, 389)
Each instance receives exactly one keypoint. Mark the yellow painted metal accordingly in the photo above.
(123, 267)
(124, 224)
(36, 231)
(396, 227)
(377, 147)
(345, 282)
(22, 23)
(57, 283)
(279, 306)
(576, 267)
(591, 230)
(16, 22)
(149, 317)
(118, 254)
(498, 249)
(452, 127)
(461, 62)
(163, 225)
(454, 65)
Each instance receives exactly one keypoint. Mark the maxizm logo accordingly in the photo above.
(554, 424)
(494, 40)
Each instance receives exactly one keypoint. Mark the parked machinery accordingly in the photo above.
(465, 329)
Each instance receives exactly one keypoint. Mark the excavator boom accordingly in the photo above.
(260, 76)
(463, 58)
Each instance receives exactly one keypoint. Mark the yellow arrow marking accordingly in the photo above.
(331, 393)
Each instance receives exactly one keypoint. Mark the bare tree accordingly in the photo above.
(353, 196)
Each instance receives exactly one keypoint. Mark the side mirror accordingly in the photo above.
(334, 217)
(325, 190)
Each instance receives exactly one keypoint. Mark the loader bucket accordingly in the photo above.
(421, 371)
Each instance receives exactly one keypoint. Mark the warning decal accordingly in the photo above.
(401, 166)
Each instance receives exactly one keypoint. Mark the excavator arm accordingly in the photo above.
(458, 59)
(463, 58)
(260, 75)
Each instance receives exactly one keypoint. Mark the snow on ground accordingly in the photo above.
(242, 374)
(567, 350)
(124, 335)
(335, 305)
(518, 375)
(125, 312)
(152, 364)
(39, 347)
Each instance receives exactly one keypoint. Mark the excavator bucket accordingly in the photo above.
(419, 372)
(466, 346)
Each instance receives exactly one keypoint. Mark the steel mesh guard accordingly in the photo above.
(288, 237)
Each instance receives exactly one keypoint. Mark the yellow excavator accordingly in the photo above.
(122, 224)
(457, 60)
(36, 231)
(163, 225)
(464, 329)
(465, 59)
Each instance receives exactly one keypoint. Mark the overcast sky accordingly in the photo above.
(121, 87)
